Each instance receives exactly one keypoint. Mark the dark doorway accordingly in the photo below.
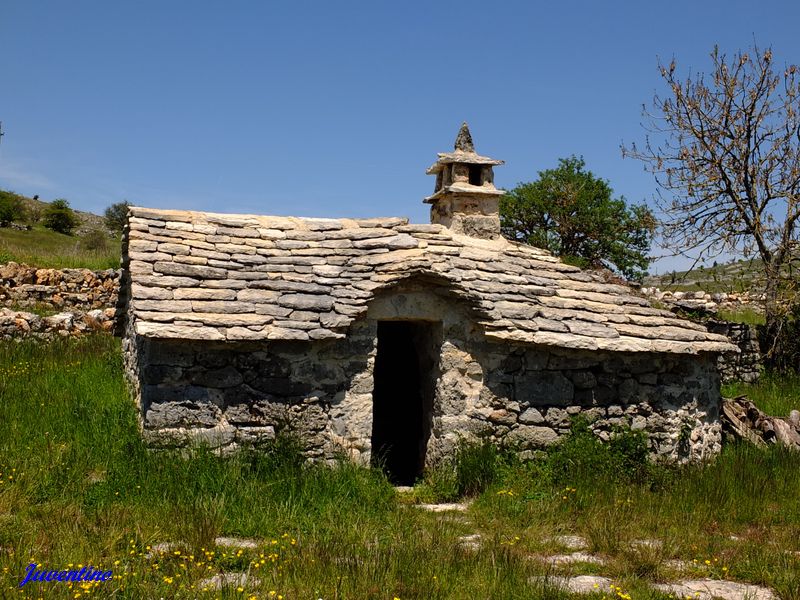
(405, 376)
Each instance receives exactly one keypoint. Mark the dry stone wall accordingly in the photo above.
(15, 324)
(708, 302)
(748, 363)
(85, 301)
(524, 397)
(60, 289)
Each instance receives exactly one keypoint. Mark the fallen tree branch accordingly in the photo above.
(741, 419)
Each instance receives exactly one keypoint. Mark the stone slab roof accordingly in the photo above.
(212, 276)
(460, 187)
(470, 158)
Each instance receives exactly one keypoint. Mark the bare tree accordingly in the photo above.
(725, 152)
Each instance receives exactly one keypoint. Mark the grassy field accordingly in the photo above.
(745, 314)
(774, 395)
(41, 247)
(79, 488)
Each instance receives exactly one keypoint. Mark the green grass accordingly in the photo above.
(79, 487)
(744, 314)
(41, 247)
(38, 308)
(775, 395)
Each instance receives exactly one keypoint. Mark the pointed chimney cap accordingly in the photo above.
(463, 152)
(464, 139)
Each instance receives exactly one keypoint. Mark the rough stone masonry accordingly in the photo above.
(390, 341)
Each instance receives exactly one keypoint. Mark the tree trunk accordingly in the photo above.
(771, 341)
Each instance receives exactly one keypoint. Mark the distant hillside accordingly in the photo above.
(35, 208)
(735, 276)
(29, 242)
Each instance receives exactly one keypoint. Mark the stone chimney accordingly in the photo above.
(465, 199)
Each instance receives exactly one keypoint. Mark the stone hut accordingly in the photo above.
(381, 338)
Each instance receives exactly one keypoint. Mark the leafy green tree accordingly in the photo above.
(571, 212)
(116, 216)
(59, 217)
(11, 208)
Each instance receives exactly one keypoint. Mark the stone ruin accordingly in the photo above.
(389, 341)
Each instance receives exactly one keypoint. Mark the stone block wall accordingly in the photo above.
(747, 364)
(528, 397)
(232, 394)
(228, 396)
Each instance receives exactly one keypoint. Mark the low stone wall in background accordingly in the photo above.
(83, 289)
(16, 324)
(707, 302)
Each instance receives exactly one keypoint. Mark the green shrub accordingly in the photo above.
(95, 240)
(59, 217)
(440, 483)
(34, 213)
(11, 208)
(477, 466)
(629, 454)
(282, 455)
(745, 314)
(581, 455)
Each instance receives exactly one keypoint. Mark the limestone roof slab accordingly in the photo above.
(197, 275)
(468, 158)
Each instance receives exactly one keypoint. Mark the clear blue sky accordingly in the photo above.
(336, 108)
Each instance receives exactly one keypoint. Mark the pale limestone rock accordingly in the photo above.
(203, 294)
(471, 543)
(580, 584)
(238, 543)
(152, 293)
(572, 558)
(306, 301)
(710, 589)
(444, 507)
(530, 437)
(170, 306)
(171, 248)
(571, 542)
(194, 271)
(178, 331)
(281, 333)
(531, 416)
(244, 333)
(229, 581)
(221, 306)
